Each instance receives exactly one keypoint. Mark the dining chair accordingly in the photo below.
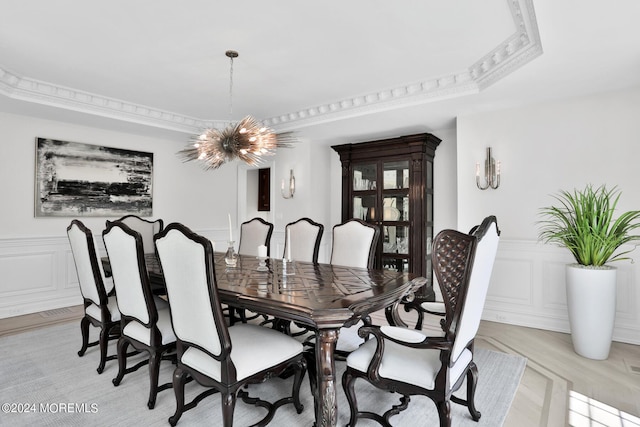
(220, 357)
(146, 228)
(409, 362)
(423, 309)
(304, 236)
(99, 300)
(353, 244)
(253, 233)
(302, 243)
(145, 323)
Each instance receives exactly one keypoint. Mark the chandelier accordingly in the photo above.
(246, 140)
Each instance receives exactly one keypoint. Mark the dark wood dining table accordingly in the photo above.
(322, 297)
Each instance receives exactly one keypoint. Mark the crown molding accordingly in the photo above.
(31, 90)
(517, 50)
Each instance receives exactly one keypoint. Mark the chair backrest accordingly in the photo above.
(354, 243)
(189, 273)
(89, 270)
(133, 289)
(253, 233)
(463, 264)
(147, 230)
(304, 235)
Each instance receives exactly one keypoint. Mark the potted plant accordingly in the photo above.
(583, 222)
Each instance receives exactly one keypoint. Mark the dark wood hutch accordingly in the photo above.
(389, 183)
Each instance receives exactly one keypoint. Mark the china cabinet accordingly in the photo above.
(389, 183)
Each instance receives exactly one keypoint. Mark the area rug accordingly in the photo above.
(43, 382)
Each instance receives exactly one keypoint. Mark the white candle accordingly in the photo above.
(230, 235)
(262, 251)
(288, 244)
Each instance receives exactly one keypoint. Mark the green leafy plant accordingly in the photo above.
(583, 223)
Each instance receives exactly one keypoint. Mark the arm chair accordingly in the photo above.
(254, 233)
(145, 324)
(100, 306)
(218, 357)
(147, 230)
(435, 308)
(408, 362)
(304, 235)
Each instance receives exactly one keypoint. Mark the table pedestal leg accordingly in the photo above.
(326, 400)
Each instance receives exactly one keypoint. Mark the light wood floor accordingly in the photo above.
(546, 396)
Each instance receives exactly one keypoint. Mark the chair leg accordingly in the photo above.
(444, 412)
(154, 372)
(472, 382)
(348, 381)
(104, 344)
(228, 406)
(84, 329)
(179, 380)
(300, 369)
(122, 360)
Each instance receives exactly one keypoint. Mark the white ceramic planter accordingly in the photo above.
(591, 299)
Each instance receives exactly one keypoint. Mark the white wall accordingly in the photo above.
(36, 267)
(544, 148)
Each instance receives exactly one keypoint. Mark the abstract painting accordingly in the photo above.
(75, 179)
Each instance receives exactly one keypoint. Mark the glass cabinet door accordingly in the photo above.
(395, 218)
(365, 177)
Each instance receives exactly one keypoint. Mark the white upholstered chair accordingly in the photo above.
(100, 305)
(145, 321)
(353, 244)
(409, 362)
(146, 228)
(218, 357)
(304, 235)
(254, 233)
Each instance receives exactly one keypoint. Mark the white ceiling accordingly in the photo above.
(332, 70)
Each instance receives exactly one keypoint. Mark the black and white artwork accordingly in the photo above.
(75, 179)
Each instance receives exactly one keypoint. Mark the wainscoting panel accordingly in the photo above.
(34, 276)
(528, 289)
(33, 269)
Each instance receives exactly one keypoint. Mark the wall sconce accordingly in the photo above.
(491, 172)
(292, 186)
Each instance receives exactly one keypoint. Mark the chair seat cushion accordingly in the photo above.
(406, 364)
(253, 349)
(141, 333)
(112, 305)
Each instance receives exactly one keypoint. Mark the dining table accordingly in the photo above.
(321, 297)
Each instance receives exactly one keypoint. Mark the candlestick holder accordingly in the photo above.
(231, 257)
(262, 265)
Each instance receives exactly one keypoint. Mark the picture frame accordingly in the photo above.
(75, 179)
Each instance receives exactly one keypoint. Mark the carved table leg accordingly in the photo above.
(326, 401)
